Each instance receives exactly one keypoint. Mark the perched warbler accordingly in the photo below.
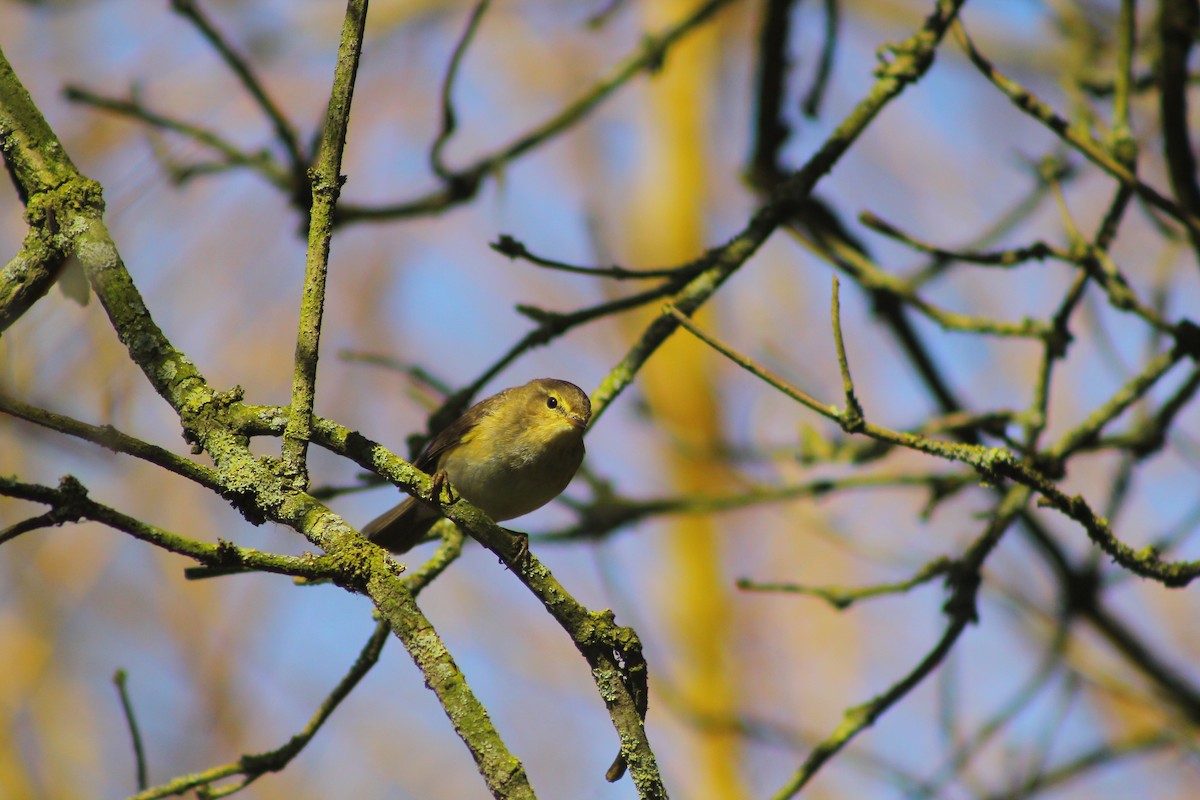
(507, 455)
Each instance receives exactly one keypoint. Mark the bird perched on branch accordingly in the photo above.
(507, 455)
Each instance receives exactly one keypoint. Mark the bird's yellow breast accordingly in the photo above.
(509, 469)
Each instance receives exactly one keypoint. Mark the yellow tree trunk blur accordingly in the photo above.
(668, 226)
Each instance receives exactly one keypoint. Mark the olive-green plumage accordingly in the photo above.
(508, 455)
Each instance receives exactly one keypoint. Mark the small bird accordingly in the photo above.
(507, 455)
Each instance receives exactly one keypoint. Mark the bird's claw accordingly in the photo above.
(520, 554)
(438, 482)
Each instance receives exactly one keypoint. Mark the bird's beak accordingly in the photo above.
(577, 421)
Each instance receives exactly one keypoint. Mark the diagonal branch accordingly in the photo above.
(43, 176)
(230, 155)
(992, 463)
(613, 652)
(112, 439)
(253, 766)
(208, 419)
(284, 132)
(1025, 100)
(464, 183)
(964, 584)
(69, 502)
(911, 59)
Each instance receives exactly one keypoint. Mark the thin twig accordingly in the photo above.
(800, 396)
(550, 325)
(465, 182)
(810, 105)
(514, 249)
(1013, 257)
(601, 517)
(1021, 698)
(26, 525)
(1123, 398)
(961, 610)
(251, 766)
(841, 598)
(112, 439)
(69, 503)
(1037, 108)
(261, 162)
(449, 118)
(120, 678)
(852, 417)
(284, 132)
(996, 462)
(1103, 757)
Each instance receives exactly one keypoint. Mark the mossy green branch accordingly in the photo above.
(69, 502)
(326, 179)
(32, 151)
(27, 277)
(501, 770)
(262, 488)
(612, 652)
(257, 486)
(43, 168)
(360, 566)
(996, 463)
(51, 188)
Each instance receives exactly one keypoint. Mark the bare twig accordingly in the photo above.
(843, 598)
(964, 586)
(449, 118)
(284, 132)
(852, 417)
(514, 249)
(112, 439)
(464, 183)
(232, 156)
(994, 462)
(1008, 258)
(69, 503)
(1037, 108)
(120, 678)
(252, 766)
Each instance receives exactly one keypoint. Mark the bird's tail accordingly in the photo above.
(402, 527)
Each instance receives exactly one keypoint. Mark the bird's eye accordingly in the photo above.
(551, 402)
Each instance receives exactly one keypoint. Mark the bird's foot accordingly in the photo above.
(440, 482)
(520, 554)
